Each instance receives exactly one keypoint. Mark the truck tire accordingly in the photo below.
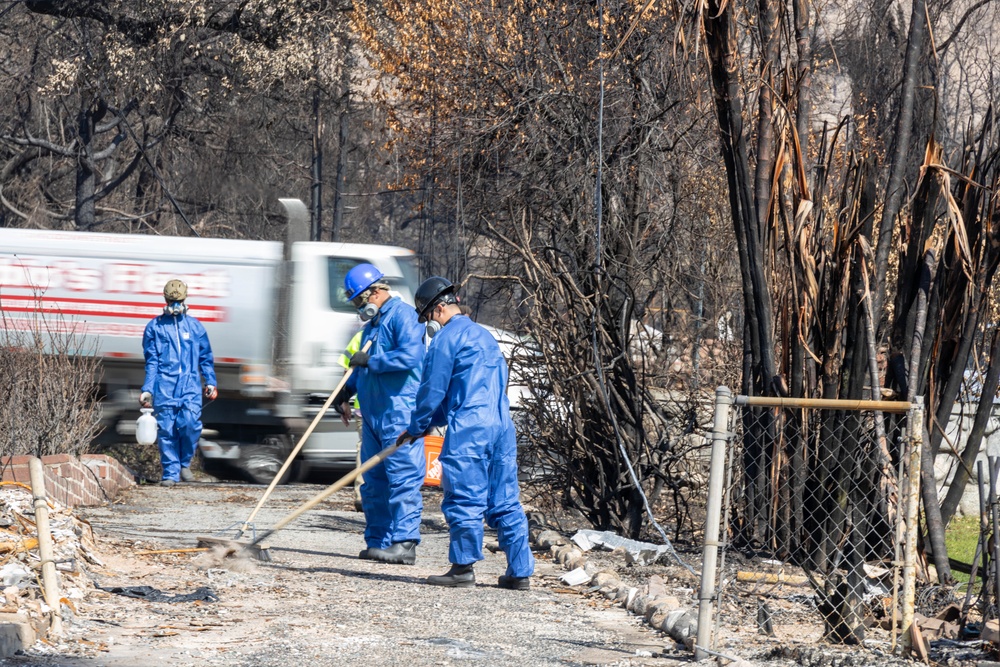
(261, 462)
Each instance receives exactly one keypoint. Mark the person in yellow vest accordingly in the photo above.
(345, 361)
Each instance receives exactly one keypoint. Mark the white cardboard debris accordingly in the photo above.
(575, 577)
(643, 553)
(15, 574)
(581, 541)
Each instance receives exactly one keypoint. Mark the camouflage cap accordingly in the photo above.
(175, 290)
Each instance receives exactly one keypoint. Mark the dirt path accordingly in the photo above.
(317, 603)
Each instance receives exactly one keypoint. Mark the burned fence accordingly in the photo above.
(818, 488)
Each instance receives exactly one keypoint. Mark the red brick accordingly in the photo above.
(15, 460)
(52, 459)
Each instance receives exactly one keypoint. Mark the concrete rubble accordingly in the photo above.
(662, 611)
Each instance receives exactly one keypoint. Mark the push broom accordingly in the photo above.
(248, 524)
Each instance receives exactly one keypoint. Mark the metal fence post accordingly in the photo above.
(916, 430)
(710, 551)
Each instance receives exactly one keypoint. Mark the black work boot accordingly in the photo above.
(514, 583)
(459, 576)
(400, 553)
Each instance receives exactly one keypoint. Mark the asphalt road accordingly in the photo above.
(316, 603)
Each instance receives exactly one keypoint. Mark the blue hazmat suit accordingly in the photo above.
(390, 496)
(177, 351)
(464, 385)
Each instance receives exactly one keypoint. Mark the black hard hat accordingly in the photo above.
(431, 291)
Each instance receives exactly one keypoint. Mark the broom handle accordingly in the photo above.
(305, 436)
(329, 491)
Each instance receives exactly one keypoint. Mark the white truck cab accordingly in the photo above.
(276, 316)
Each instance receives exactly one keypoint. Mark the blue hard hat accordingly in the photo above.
(360, 278)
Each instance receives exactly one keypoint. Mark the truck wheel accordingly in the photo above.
(261, 462)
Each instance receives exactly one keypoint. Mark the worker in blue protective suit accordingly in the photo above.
(178, 356)
(385, 380)
(464, 385)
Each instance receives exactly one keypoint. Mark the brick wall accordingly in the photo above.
(92, 479)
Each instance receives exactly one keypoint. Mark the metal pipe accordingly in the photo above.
(979, 544)
(994, 464)
(826, 403)
(916, 428)
(50, 585)
(713, 515)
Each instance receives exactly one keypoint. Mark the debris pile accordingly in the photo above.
(20, 563)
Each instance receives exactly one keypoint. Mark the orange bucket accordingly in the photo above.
(432, 450)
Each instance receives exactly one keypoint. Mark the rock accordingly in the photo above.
(658, 609)
(657, 588)
(603, 578)
(548, 538)
(611, 592)
(564, 552)
(575, 562)
(991, 631)
(680, 624)
(630, 596)
(639, 604)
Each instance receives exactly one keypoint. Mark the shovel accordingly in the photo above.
(246, 525)
(259, 551)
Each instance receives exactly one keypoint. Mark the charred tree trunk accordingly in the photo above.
(343, 122)
(86, 176)
(720, 41)
(803, 73)
(901, 151)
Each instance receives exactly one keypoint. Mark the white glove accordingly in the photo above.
(211, 393)
(146, 399)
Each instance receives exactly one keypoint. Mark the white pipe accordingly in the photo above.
(916, 428)
(49, 582)
(710, 551)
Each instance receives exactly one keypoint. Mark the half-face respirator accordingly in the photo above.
(367, 312)
(175, 308)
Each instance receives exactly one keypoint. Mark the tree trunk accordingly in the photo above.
(342, 131)
(720, 42)
(928, 485)
(316, 169)
(767, 20)
(897, 167)
(86, 177)
(803, 88)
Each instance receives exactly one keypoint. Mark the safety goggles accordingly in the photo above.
(362, 299)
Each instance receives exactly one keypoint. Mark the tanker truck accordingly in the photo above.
(276, 315)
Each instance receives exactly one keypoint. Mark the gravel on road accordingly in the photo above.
(317, 603)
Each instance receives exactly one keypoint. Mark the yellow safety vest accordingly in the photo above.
(345, 358)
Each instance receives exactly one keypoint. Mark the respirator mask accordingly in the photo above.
(366, 309)
(432, 328)
(175, 308)
(367, 312)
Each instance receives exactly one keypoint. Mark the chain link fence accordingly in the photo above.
(813, 493)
